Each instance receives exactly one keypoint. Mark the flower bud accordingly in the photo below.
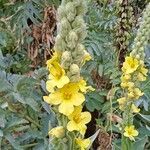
(74, 69)
(66, 59)
(82, 9)
(60, 43)
(137, 56)
(61, 12)
(66, 56)
(64, 27)
(57, 132)
(79, 22)
(72, 39)
(70, 11)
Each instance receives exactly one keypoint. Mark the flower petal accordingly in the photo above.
(83, 143)
(126, 134)
(82, 128)
(76, 112)
(55, 98)
(66, 108)
(64, 80)
(71, 126)
(78, 99)
(135, 133)
(85, 117)
(50, 84)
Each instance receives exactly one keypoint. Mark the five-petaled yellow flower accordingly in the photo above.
(57, 132)
(83, 143)
(67, 97)
(57, 77)
(130, 132)
(78, 120)
(130, 65)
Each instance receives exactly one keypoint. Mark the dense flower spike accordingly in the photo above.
(133, 73)
(124, 25)
(65, 83)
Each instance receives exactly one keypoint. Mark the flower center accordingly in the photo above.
(58, 75)
(132, 65)
(130, 132)
(67, 96)
(77, 119)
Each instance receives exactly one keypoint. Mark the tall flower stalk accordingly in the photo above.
(65, 84)
(123, 28)
(133, 73)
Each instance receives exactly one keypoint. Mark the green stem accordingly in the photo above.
(32, 121)
(124, 145)
(29, 145)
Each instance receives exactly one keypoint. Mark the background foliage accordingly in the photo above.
(25, 45)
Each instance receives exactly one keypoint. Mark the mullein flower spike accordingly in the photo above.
(133, 73)
(65, 84)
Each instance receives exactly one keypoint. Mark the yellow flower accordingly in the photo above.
(131, 95)
(130, 132)
(57, 77)
(135, 93)
(55, 58)
(57, 132)
(144, 71)
(83, 143)
(135, 109)
(122, 102)
(67, 97)
(125, 77)
(141, 77)
(130, 65)
(83, 86)
(78, 120)
(127, 84)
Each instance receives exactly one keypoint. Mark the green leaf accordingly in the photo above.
(15, 121)
(140, 144)
(12, 141)
(94, 101)
(146, 117)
